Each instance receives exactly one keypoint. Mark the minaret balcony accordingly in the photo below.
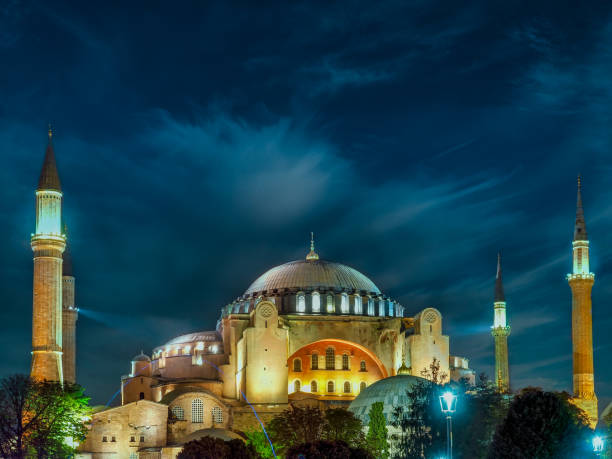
(500, 331)
(589, 276)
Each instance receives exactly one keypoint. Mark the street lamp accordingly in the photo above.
(448, 403)
(598, 444)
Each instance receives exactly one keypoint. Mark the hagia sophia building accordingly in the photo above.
(308, 332)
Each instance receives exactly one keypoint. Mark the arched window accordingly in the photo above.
(197, 410)
(362, 366)
(330, 359)
(347, 387)
(370, 306)
(316, 302)
(297, 365)
(330, 386)
(301, 303)
(141, 395)
(178, 413)
(245, 307)
(313, 386)
(381, 308)
(362, 386)
(297, 385)
(314, 361)
(330, 304)
(217, 415)
(358, 305)
(391, 309)
(345, 361)
(344, 304)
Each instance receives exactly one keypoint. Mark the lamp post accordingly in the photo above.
(598, 444)
(448, 403)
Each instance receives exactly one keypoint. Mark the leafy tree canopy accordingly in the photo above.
(215, 448)
(41, 419)
(325, 449)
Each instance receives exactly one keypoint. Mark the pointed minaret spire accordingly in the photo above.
(580, 232)
(312, 255)
(499, 286)
(49, 178)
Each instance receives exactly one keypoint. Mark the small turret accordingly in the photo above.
(141, 365)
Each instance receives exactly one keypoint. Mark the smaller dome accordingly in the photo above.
(391, 391)
(142, 357)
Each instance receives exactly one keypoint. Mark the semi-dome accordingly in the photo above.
(312, 274)
(391, 391)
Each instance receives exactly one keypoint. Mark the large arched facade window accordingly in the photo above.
(301, 302)
(197, 410)
(362, 386)
(345, 361)
(316, 302)
(347, 387)
(297, 385)
(330, 387)
(330, 359)
(297, 365)
(314, 361)
(313, 387)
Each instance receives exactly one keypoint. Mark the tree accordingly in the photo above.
(377, 431)
(342, 424)
(258, 441)
(295, 426)
(215, 448)
(42, 419)
(325, 449)
(541, 425)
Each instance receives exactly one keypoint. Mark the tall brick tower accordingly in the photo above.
(69, 316)
(581, 281)
(48, 244)
(500, 331)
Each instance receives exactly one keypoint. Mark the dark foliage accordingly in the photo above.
(36, 418)
(325, 449)
(215, 448)
(541, 425)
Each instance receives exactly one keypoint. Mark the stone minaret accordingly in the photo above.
(69, 316)
(500, 331)
(581, 281)
(48, 244)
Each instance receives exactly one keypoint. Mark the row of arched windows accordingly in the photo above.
(393, 309)
(330, 361)
(197, 412)
(331, 386)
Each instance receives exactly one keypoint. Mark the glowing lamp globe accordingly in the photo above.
(598, 444)
(448, 402)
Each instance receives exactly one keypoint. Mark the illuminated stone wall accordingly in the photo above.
(427, 343)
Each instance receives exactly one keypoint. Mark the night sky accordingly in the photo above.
(198, 145)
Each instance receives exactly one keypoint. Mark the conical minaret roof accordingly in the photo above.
(580, 232)
(49, 178)
(499, 285)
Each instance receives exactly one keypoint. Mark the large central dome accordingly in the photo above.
(312, 274)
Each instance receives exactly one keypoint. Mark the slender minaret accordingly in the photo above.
(48, 244)
(500, 331)
(69, 316)
(581, 281)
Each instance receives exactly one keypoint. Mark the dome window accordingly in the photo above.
(301, 303)
(330, 304)
(391, 309)
(316, 302)
(358, 305)
(381, 308)
(370, 306)
(344, 304)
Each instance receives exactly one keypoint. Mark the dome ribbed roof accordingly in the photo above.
(312, 274)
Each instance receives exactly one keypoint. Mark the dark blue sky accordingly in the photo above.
(198, 145)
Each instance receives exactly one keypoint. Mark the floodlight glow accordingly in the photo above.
(448, 402)
(598, 444)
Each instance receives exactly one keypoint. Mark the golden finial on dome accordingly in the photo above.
(312, 255)
(403, 370)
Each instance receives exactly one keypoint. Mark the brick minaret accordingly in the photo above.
(48, 244)
(500, 331)
(581, 281)
(69, 316)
